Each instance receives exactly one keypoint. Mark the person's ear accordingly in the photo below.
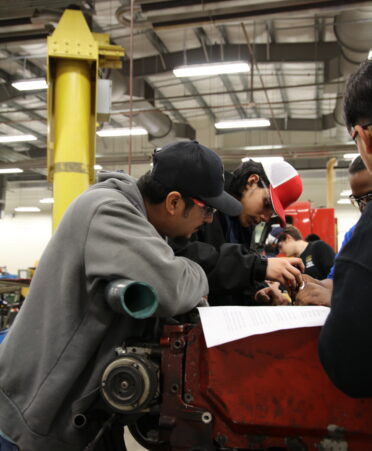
(253, 180)
(365, 139)
(173, 202)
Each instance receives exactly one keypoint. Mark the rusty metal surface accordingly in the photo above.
(263, 391)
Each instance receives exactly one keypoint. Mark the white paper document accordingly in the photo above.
(229, 323)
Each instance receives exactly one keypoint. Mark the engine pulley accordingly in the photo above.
(130, 383)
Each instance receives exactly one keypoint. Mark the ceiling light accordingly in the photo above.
(263, 159)
(350, 156)
(30, 85)
(243, 123)
(47, 200)
(346, 192)
(97, 167)
(268, 147)
(228, 67)
(122, 132)
(16, 138)
(344, 201)
(11, 171)
(27, 209)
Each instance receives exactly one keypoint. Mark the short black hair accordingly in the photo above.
(357, 165)
(241, 175)
(154, 192)
(312, 237)
(358, 95)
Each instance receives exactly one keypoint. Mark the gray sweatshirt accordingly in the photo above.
(65, 334)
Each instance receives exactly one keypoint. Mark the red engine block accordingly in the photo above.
(263, 392)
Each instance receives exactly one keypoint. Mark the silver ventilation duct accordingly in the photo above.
(353, 30)
(161, 129)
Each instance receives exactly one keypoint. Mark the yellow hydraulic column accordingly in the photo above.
(74, 54)
(72, 145)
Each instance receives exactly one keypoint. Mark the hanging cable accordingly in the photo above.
(254, 63)
(131, 85)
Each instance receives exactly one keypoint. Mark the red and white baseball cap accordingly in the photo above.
(285, 186)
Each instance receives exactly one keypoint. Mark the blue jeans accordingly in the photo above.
(7, 446)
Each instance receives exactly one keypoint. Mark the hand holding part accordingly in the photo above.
(287, 271)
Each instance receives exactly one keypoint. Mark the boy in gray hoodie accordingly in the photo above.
(52, 359)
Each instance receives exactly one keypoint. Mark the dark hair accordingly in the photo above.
(154, 192)
(312, 237)
(358, 95)
(290, 231)
(241, 175)
(357, 165)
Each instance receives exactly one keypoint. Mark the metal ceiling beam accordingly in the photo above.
(206, 16)
(169, 105)
(301, 157)
(323, 123)
(162, 49)
(319, 32)
(270, 29)
(205, 43)
(201, 102)
(23, 129)
(289, 52)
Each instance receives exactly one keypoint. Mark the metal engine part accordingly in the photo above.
(130, 383)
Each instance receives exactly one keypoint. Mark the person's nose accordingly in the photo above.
(209, 219)
(265, 216)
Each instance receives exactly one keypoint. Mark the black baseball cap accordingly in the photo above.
(195, 171)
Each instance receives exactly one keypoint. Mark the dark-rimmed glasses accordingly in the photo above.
(268, 205)
(361, 201)
(207, 210)
(354, 133)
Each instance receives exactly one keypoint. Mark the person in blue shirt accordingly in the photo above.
(319, 292)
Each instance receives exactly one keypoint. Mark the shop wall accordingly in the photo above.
(23, 238)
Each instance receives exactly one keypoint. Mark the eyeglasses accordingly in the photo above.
(354, 133)
(361, 201)
(207, 210)
(268, 205)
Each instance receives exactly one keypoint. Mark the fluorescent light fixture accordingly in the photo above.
(11, 171)
(16, 138)
(197, 70)
(267, 147)
(27, 209)
(243, 123)
(30, 85)
(47, 200)
(122, 132)
(345, 192)
(97, 167)
(344, 201)
(350, 156)
(263, 159)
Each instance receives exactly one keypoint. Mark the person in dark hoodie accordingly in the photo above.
(223, 248)
(346, 338)
(66, 333)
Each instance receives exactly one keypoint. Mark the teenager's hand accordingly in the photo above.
(271, 295)
(314, 294)
(286, 271)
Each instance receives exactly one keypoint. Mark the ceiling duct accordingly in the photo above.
(161, 129)
(353, 30)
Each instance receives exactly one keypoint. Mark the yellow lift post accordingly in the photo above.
(74, 55)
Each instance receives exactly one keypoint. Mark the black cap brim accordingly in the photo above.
(225, 203)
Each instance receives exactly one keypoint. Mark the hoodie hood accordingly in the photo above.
(122, 182)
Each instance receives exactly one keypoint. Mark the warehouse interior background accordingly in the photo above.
(299, 52)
